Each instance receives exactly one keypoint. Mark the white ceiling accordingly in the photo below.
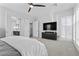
(23, 8)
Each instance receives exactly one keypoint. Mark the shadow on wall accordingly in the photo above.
(2, 33)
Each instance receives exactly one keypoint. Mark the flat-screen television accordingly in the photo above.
(50, 26)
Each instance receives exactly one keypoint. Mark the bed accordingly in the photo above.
(21, 46)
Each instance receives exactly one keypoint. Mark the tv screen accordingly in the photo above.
(50, 26)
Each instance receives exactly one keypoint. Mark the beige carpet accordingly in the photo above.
(60, 48)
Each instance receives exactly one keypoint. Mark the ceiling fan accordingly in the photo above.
(34, 5)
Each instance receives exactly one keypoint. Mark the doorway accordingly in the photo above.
(31, 29)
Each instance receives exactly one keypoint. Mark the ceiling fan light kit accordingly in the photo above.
(31, 6)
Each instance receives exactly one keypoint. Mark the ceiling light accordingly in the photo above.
(31, 6)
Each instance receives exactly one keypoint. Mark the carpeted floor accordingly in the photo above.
(60, 48)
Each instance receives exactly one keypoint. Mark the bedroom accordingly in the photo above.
(17, 22)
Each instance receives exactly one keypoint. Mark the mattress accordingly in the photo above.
(8, 50)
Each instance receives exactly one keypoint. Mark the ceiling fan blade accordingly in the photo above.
(30, 3)
(29, 9)
(39, 5)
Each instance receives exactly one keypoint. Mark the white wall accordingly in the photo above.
(35, 23)
(25, 27)
(38, 24)
(41, 21)
(7, 13)
(64, 24)
(2, 22)
(2, 17)
(76, 25)
(7, 22)
(35, 28)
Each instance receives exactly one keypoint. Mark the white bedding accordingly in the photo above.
(26, 46)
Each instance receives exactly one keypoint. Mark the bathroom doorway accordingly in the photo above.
(31, 29)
